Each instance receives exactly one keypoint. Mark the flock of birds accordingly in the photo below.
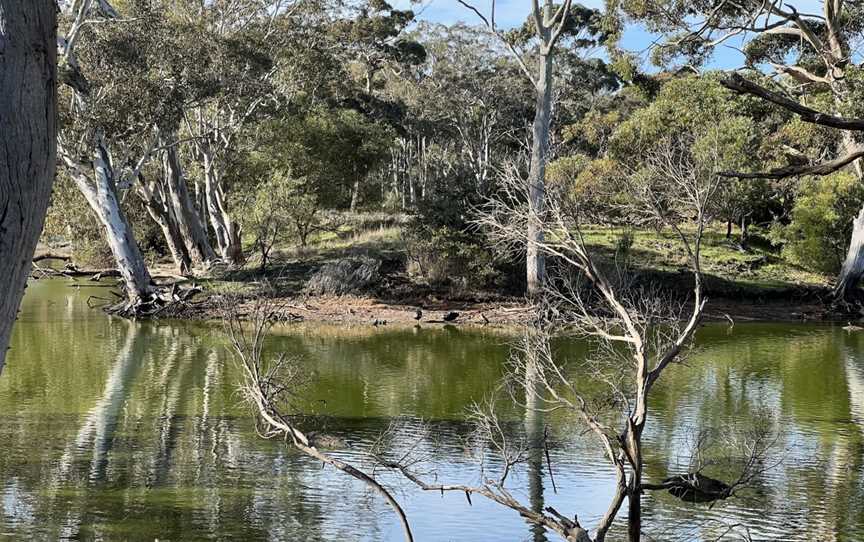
(448, 317)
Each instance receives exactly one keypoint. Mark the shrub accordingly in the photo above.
(443, 247)
(282, 209)
(444, 256)
(818, 233)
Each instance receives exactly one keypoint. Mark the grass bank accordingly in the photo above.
(756, 283)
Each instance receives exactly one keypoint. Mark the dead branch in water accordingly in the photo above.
(273, 387)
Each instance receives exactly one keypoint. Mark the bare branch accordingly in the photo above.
(270, 384)
(822, 168)
(739, 84)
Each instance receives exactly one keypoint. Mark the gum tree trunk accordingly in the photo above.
(853, 266)
(227, 231)
(153, 196)
(101, 194)
(536, 263)
(186, 217)
(28, 124)
(355, 194)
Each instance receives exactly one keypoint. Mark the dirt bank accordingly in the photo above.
(352, 309)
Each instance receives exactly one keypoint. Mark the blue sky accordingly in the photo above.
(513, 12)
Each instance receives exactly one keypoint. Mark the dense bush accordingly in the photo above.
(445, 249)
(818, 233)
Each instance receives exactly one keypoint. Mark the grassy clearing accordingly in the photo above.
(760, 271)
(761, 266)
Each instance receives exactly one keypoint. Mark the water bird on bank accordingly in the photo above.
(852, 327)
(451, 316)
(418, 314)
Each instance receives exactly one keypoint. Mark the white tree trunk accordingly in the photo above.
(153, 196)
(227, 231)
(28, 126)
(355, 193)
(536, 264)
(853, 266)
(101, 194)
(181, 206)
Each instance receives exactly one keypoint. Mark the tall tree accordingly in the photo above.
(28, 124)
(547, 25)
(84, 146)
(243, 42)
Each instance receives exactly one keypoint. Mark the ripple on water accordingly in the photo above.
(119, 430)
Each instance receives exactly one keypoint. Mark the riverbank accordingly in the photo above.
(354, 309)
(752, 285)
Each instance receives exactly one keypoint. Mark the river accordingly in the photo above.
(111, 429)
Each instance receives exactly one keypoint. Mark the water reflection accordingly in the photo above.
(112, 429)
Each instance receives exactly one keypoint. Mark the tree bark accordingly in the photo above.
(153, 196)
(101, 194)
(228, 232)
(634, 509)
(536, 264)
(355, 193)
(181, 205)
(853, 266)
(28, 124)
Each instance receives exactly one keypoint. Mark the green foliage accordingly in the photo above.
(282, 210)
(329, 148)
(444, 256)
(819, 232)
(685, 105)
(446, 250)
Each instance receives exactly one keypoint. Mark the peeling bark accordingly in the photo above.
(181, 206)
(153, 196)
(227, 231)
(28, 124)
(100, 191)
(853, 266)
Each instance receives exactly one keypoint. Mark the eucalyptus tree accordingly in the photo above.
(372, 34)
(28, 122)
(94, 115)
(245, 39)
(815, 61)
(470, 94)
(547, 25)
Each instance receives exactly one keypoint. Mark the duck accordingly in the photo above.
(451, 316)
(851, 327)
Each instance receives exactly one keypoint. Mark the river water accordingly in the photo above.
(114, 430)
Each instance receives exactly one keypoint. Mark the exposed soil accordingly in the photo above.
(353, 309)
(397, 299)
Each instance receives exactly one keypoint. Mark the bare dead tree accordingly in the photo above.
(273, 386)
(639, 332)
